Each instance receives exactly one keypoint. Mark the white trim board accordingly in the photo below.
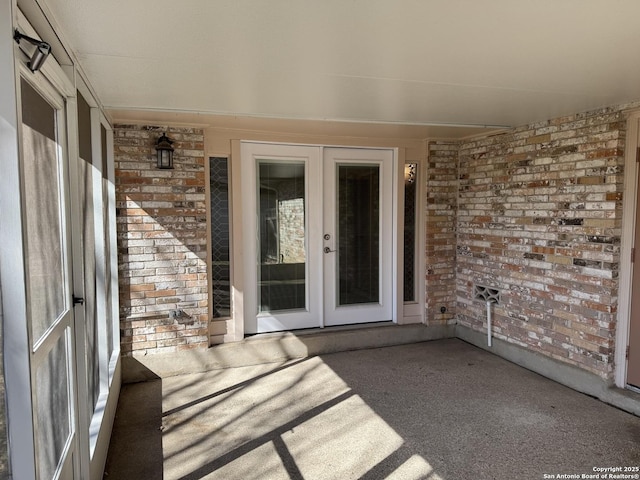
(627, 242)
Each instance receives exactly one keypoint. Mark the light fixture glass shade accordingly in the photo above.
(164, 159)
(164, 152)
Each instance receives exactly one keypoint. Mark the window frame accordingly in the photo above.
(219, 325)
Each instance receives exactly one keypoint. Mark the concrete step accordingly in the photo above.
(278, 347)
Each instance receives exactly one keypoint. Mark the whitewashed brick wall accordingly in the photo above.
(441, 214)
(539, 218)
(534, 212)
(162, 242)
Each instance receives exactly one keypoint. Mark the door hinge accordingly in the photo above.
(78, 301)
(627, 353)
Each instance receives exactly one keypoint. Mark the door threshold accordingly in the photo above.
(633, 389)
(332, 328)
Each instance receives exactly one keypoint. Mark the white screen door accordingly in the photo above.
(317, 236)
(48, 269)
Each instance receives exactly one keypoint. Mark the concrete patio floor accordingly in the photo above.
(435, 410)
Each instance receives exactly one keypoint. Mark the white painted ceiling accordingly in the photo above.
(466, 62)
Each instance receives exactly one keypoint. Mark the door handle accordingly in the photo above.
(328, 250)
(78, 301)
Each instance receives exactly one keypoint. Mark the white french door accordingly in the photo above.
(282, 230)
(318, 229)
(358, 208)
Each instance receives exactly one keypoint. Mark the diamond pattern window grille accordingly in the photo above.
(220, 263)
(410, 198)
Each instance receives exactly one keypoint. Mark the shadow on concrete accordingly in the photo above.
(274, 436)
(442, 410)
(471, 414)
(230, 388)
(135, 450)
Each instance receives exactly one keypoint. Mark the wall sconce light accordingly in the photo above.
(165, 152)
(42, 51)
(409, 173)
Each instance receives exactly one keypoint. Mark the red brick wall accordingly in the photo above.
(539, 218)
(162, 240)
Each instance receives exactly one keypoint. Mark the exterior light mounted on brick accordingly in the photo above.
(410, 173)
(164, 151)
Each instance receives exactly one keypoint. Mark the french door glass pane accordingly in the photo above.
(43, 236)
(53, 422)
(281, 236)
(358, 213)
(89, 248)
(107, 239)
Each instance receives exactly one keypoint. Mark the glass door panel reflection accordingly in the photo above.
(43, 213)
(281, 245)
(358, 212)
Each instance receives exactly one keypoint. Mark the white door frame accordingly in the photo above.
(14, 302)
(627, 242)
(246, 296)
(413, 311)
